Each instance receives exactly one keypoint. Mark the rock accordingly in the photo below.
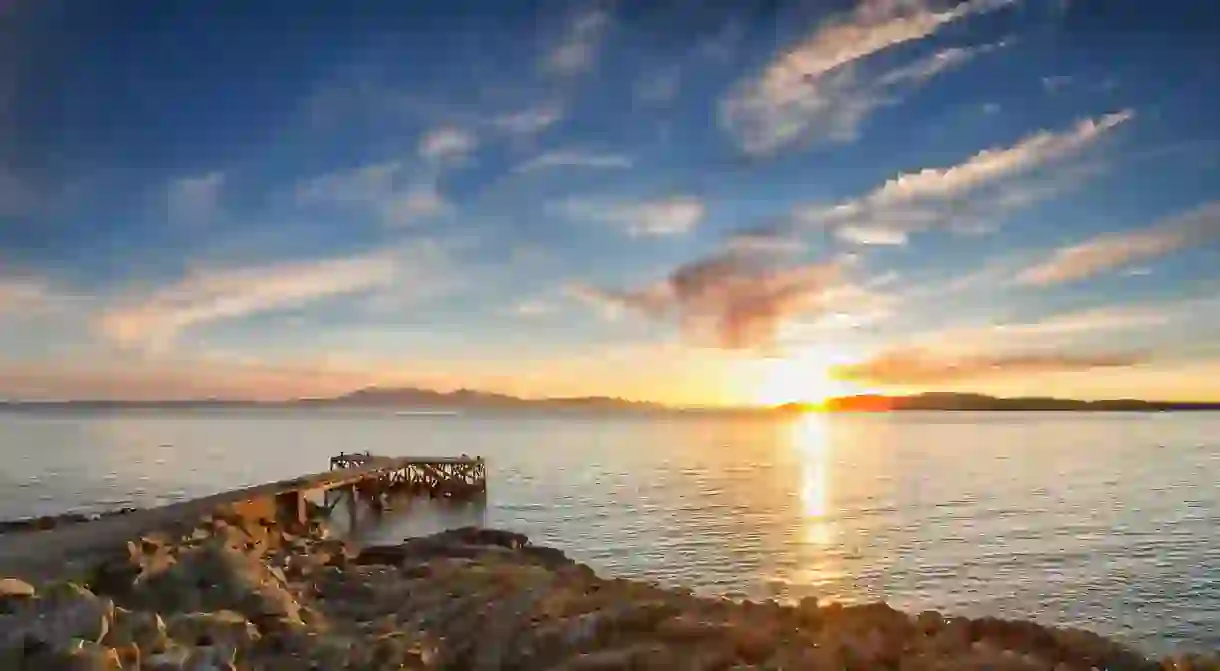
(383, 554)
(14, 588)
(1090, 650)
(152, 543)
(141, 628)
(1191, 662)
(686, 628)
(63, 612)
(807, 611)
(212, 658)
(251, 598)
(14, 594)
(752, 643)
(330, 652)
(174, 659)
(223, 628)
(953, 637)
(548, 557)
(75, 656)
(929, 622)
(614, 659)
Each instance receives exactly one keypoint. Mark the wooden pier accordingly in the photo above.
(355, 478)
(374, 479)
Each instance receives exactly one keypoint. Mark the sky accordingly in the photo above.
(686, 202)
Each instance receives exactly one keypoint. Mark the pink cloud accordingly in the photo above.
(914, 366)
(204, 296)
(734, 300)
(1111, 251)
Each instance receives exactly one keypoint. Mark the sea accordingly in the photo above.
(1108, 521)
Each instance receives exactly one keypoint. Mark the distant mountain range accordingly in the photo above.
(410, 397)
(415, 398)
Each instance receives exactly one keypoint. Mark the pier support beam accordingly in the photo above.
(290, 509)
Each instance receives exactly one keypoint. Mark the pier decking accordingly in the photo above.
(441, 477)
(352, 477)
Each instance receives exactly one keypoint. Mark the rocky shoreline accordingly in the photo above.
(231, 593)
(46, 522)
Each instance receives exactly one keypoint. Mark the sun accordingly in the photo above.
(801, 377)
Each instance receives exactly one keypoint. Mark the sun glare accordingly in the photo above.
(803, 377)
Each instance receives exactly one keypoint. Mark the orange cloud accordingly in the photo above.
(1111, 251)
(20, 293)
(734, 300)
(916, 366)
(948, 197)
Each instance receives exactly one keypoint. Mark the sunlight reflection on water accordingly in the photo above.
(810, 440)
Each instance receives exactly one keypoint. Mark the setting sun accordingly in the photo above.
(802, 377)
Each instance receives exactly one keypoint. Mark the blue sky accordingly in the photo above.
(654, 200)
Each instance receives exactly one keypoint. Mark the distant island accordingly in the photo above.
(980, 402)
(411, 398)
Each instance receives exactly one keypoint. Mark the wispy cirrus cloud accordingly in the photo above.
(182, 377)
(1113, 251)
(991, 165)
(382, 189)
(672, 215)
(574, 158)
(21, 293)
(1062, 342)
(447, 144)
(367, 183)
(732, 300)
(576, 50)
(767, 240)
(658, 87)
(1054, 83)
(420, 200)
(195, 200)
(913, 366)
(968, 196)
(532, 308)
(1067, 329)
(821, 89)
(530, 120)
(152, 322)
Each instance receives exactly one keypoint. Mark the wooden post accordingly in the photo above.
(290, 509)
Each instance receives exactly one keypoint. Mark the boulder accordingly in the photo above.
(14, 594)
(929, 622)
(62, 613)
(14, 588)
(76, 655)
(223, 628)
(549, 557)
(392, 555)
(141, 628)
(174, 659)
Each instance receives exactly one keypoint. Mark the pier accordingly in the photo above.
(436, 477)
(352, 478)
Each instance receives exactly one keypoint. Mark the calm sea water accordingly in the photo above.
(1109, 521)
